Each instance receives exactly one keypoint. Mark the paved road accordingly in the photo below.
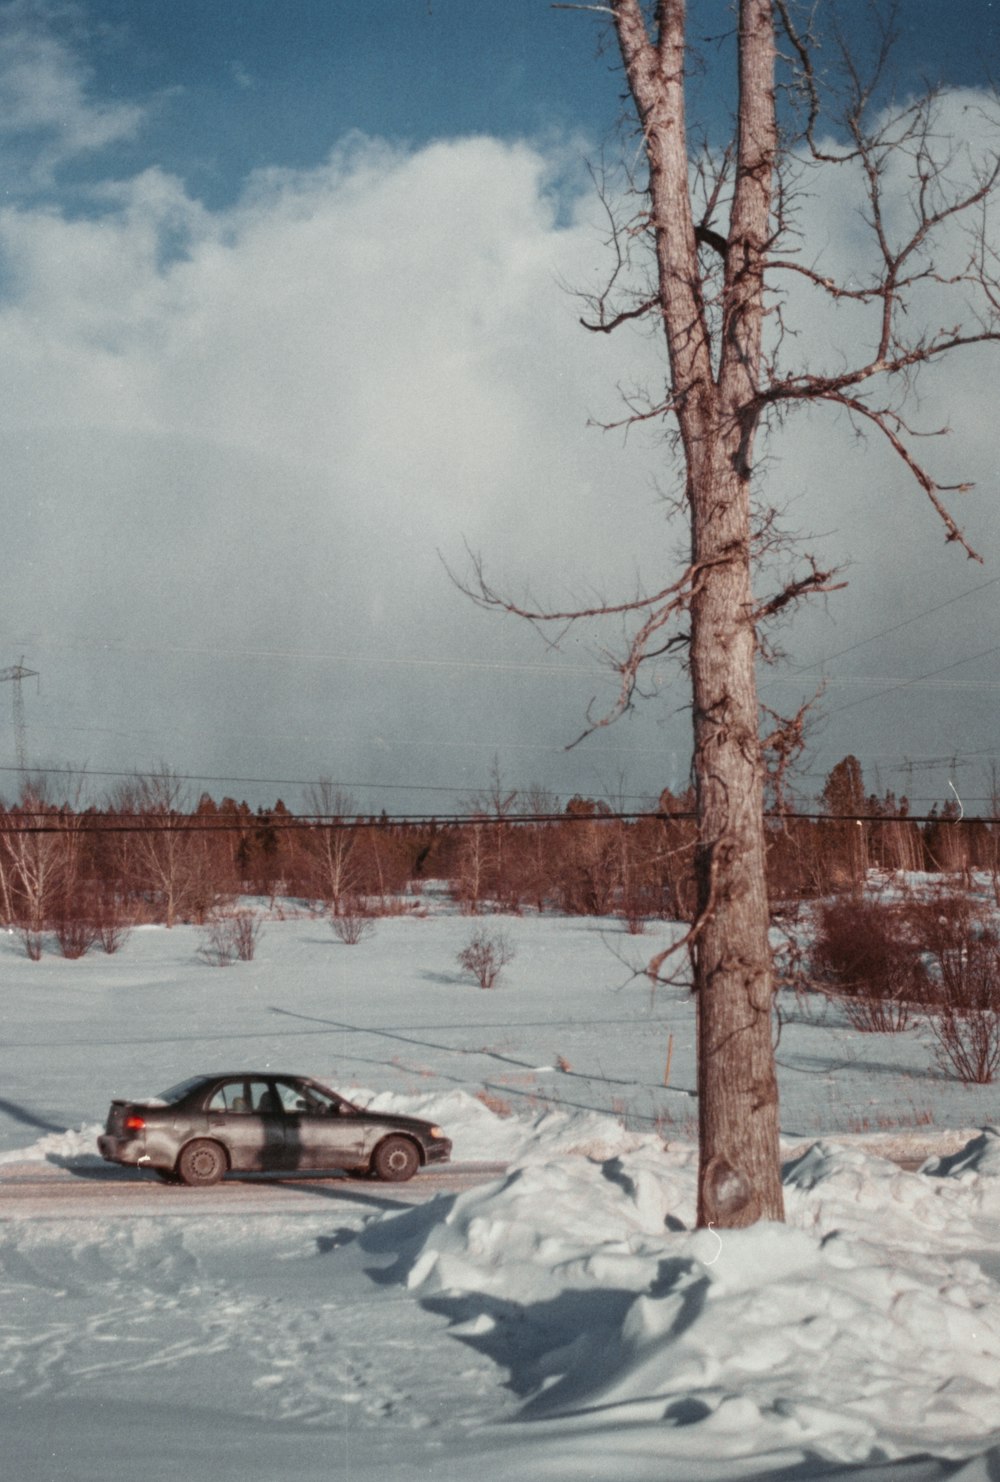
(48, 1191)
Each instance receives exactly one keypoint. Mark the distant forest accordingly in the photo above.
(87, 873)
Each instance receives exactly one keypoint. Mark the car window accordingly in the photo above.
(178, 1092)
(245, 1098)
(307, 1099)
(230, 1097)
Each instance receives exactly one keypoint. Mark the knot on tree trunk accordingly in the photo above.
(727, 1195)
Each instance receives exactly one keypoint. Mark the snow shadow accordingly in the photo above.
(562, 1353)
(401, 1237)
(28, 1118)
(559, 1352)
(575, 1336)
(826, 1065)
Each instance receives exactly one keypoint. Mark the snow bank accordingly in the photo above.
(839, 1335)
(75, 1148)
(480, 1135)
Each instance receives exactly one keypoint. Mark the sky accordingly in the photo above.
(289, 326)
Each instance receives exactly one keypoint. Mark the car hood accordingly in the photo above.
(388, 1119)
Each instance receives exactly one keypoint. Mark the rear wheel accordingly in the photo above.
(396, 1160)
(201, 1163)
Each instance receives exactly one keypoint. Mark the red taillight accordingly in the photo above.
(134, 1123)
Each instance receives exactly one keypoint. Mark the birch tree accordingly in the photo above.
(723, 236)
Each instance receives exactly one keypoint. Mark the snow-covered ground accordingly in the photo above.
(561, 1321)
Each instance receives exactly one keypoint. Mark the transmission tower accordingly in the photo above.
(16, 673)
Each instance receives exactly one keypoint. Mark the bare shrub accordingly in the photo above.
(965, 982)
(32, 943)
(486, 955)
(76, 934)
(112, 926)
(866, 956)
(73, 918)
(113, 934)
(247, 927)
(634, 915)
(231, 936)
(351, 922)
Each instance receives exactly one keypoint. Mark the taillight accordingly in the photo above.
(134, 1123)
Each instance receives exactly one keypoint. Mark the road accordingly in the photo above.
(49, 1191)
(34, 1190)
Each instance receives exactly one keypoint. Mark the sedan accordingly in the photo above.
(256, 1121)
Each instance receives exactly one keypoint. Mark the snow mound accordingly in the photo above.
(976, 1169)
(480, 1135)
(838, 1335)
(841, 1186)
(74, 1148)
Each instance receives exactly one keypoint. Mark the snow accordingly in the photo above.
(561, 1319)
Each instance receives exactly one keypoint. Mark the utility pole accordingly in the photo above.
(16, 673)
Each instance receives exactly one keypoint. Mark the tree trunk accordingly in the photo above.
(714, 396)
(739, 1177)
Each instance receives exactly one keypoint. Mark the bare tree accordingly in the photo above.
(157, 850)
(330, 843)
(724, 232)
(40, 849)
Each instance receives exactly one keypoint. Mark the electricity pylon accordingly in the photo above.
(17, 672)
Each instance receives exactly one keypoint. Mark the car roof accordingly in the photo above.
(253, 1075)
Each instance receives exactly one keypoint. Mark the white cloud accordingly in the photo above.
(255, 428)
(45, 92)
(272, 419)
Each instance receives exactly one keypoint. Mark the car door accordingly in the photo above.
(246, 1116)
(321, 1131)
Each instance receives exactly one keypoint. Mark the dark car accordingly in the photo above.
(256, 1121)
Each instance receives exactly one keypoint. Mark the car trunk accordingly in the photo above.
(115, 1124)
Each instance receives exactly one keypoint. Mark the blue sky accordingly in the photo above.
(284, 321)
(225, 88)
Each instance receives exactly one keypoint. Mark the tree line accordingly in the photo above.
(149, 856)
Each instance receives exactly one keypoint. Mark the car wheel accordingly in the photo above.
(396, 1160)
(201, 1163)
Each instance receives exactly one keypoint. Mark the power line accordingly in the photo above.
(93, 823)
(904, 623)
(412, 661)
(918, 679)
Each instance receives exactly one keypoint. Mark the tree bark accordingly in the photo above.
(714, 394)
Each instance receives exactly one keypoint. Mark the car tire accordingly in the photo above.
(201, 1164)
(395, 1160)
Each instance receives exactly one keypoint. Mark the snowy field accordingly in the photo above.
(562, 1321)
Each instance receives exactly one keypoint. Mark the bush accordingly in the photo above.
(965, 1018)
(867, 956)
(884, 960)
(351, 923)
(113, 932)
(75, 935)
(486, 955)
(32, 943)
(231, 936)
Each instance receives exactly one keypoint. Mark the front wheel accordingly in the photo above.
(201, 1164)
(396, 1160)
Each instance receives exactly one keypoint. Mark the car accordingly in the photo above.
(261, 1122)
